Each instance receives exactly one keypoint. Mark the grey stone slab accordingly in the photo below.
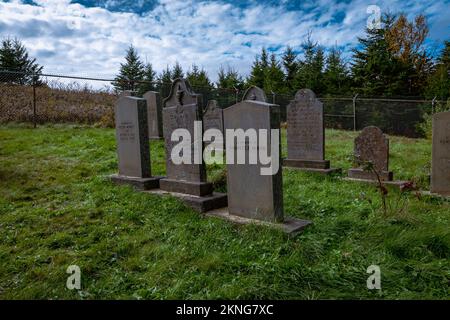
(154, 112)
(200, 204)
(440, 167)
(132, 137)
(137, 183)
(255, 94)
(291, 226)
(251, 194)
(180, 110)
(312, 164)
(305, 128)
(395, 183)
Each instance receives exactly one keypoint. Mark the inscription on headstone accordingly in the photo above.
(440, 168)
(132, 145)
(154, 111)
(251, 194)
(305, 131)
(181, 109)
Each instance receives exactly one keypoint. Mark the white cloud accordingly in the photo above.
(70, 38)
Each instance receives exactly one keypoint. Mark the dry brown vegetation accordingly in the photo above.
(70, 103)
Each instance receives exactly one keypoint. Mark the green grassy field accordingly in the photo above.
(57, 208)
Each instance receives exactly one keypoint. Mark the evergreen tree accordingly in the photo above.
(259, 69)
(198, 77)
(130, 72)
(291, 67)
(335, 77)
(438, 84)
(14, 58)
(149, 83)
(177, 72)
(310, 72)
(229, 79)
(165, 82)
(274, 77)
(376, 70)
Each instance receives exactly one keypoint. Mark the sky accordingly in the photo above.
(89, 38)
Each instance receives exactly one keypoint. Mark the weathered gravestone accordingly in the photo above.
(154, 110)
(252, 195)
(306, 134)
(371, 146)
(181, 109)
(132, 144)
(440, 168)
(213, 117)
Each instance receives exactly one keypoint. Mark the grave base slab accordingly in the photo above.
(361, 174)
(202, 204)
(394, 183)
(198, 189)
(435, 195)
(316, 166)
(290, 226)
(137, 183)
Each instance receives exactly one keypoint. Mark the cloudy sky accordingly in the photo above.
(89, 37)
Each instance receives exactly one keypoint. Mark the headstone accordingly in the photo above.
(213, 117)
(250, 194)
(255, 94)
(181, 109)
(154, 111)
(306, 134)
(440, 168)
(132, 143)
(371, 146)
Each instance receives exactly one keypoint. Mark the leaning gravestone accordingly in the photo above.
(371, 146)
(306, 134)
(154, 110)
(252, 195)
(132, 144)
(213, 118)
(440, 168)
(181, 109)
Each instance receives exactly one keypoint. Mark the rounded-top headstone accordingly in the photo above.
(255, 94)
(305, 94)
(372, 145)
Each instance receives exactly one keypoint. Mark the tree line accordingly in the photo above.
(389, 61)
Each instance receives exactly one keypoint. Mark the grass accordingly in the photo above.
(57, 208)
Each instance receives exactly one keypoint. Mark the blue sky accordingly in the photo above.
(89, 38)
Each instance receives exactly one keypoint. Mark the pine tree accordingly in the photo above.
(335, 77)
(291, 67)
(438, 83)
(14, 58)
(177, 72)
(198, 77)
(229, 79)
(274, 77)
(149, 83)
(259, 69)
(310, 72)
(375, 69)
(165, 82)
(131, 72)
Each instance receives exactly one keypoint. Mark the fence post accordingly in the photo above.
(433, 102)
(273, 97)
(354, 111)
(34, 102)
(236, 91)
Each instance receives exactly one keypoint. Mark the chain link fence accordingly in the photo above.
(52, 98)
